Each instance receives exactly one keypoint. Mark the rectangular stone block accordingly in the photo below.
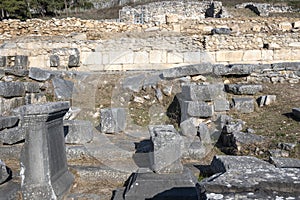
(158, 56)
(166, 144)
(252, 55)
(207, 57)
(267, 55)
(295, 54)
(221, 105)
(112, 120)
(91, 58)
(12, 89)
(188, 70)
(173, 57)
(283, 54)
(121, 57)
(44, 169)
(141, 57)
(78, 131)
(191, 57)
(8, 121)
(40, 61)
(199, 92)
(244, 104)
(229, 56)
(195, 109)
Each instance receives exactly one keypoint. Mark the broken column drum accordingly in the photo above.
(44, 170)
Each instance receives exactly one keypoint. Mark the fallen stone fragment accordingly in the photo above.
(63, 89)
(166, 154)
(190, 70)
(134, 83)
(78, 131)
(112, 120)
(243, 89)
(286, 146)
(188, 128)
(243, 104)
(39, 74)
(233, 69)
(12, 89)
(266, 100)
(54, 60)
(285, 162)
(12, 135)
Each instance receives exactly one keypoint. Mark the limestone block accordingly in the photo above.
(283, 54)
(267, 55)
(243, 89)
(191, 57)
(40, 61)
(112, 120)
(12, 89)
(173, 57)
(243, 104)
(21, 61)
(189, 70)
(195, 109)
(252, 55)
(172, 18)
(63, 89)
(8, 104)
(8, 121)
(285, 26)
(229, 56)
(91, 58)
(201, 92)
(207, 57)
(39, 74)
(78, 131)
(125, 57)
(166, 145)
(158, 56)
(221, 105)
(141, 57)
(295, 54)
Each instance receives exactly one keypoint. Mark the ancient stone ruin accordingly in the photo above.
(172, 100)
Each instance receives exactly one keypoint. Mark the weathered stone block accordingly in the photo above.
(190, 70)
(31, 87)
(134, 83)
(191, 57)
(121, 57)
(201, 92)
(8, 122)
(74, 61)
(8, 104)
(16, 71)
(21, 61)
(166, 154)
(12, 135)
(44, 169)
(243, 105)
(2, 61)
(63, 89)
(221, 31)
(221, 105)
(78, 131)
(285, 162)
(39, 74)
(188, 128)
(266, 100)
(12, 89)
(54, 61)
(157, 56)
(173, 57)
(195, 109)
(252, 55)
(229, 56)
(243, 89)
(112, 120)
(175, 186)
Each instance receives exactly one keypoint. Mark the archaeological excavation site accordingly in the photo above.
(162, 100)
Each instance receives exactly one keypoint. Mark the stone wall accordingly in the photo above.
(88, 45)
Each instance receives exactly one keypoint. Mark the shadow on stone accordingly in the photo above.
(174, 112)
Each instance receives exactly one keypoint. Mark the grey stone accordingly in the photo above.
(285, 162)
(74, 58)
(2, 61)
(266, 100)
(39, 74)
(8, 121)
(233, 127)
(2, 73)
(278, 153)
(12, 135)
(195, 109)
(160, 186)
(234, 69)
(221, 105)
(75, 152)
(243, 104)
(177, 72)
(63, 89)
(152, 79)
(78, 131)
(10, 151)
(188, 128)
(286, 146)
(31, 87)
(35, 98)
(167, 90)
(10, 191)
(286, 66)
(159, 95)
(166, 154)
(134, 83)
(72, 113)
(296, 112)
(221, 31)
(21, 61)
(54, 61)
(112, 120)
(46, 177)
(200, 92)
(16, 71)
(196, 150)
(243, 89)
(12, 89)
(5, 173)
(7, 104)
(241, 175)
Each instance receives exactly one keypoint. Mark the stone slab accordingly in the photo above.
(12, 89)
(113, 120)
(78, 131)
(8, 121)
(241, 89)
(285, 162)
(63, 89)
(12, 135)
(201, 92)
(243, 104)
(203, 68)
